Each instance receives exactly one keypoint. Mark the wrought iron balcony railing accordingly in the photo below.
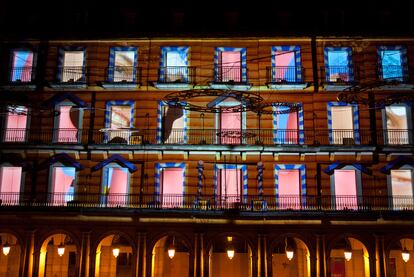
(230, 74)
(123, 74)
(392, 73)
(284, 74)
(392, 137)
(177, 74)
(340, 74)
(258, 203)
(71, 74)
(25, 74)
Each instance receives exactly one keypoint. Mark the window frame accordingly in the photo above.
(22, 178)
(298, 62)
(300, 123)
(158, 186)
(404, 61)
(389, 182)
(358, 183)
(27, 129)
(218, 66)
(302, 180)
(408, 109)
(108, 114)
(51, 195)
(218, 121)
(164, 66)
(61, 63)
(160, 127)
(243, 181)
(355, 115)
(11, 63)
(111, 65)
(350, 64)
(56, 122)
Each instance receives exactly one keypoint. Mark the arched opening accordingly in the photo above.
(290, 257)
(10, 255)
(114, 257)
(170, 257)
(349, 257)
(230, 256)
(400, 258)
(59, 256)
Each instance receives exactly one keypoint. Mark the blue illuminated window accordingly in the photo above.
(174, 64)
(338, 65)
(392, 63)
(286, 64)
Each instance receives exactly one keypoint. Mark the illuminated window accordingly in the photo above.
(397, 123)
(123, 64)
(393, 63)
(286, 64)
(401, 188)
(16, 124)
(230, 184)
(10, 184)
(62, 186)
(67, 123)
(288, 125)
(173, 124)
(22, 66)
(346, 187)
(171, 183)
(72, 65)
(230, 65)
(230, 122)
(119, 121)
(174, 65)
(338, 64)
(290, 185)
(343, 123)
(115, 185)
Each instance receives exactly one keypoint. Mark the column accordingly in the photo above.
(85, 253)
(320, 256)
(140, 261)
(27, 265)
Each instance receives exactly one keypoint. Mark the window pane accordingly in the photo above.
(173, 121)
(285, 66)
(16, 124)
(391, 64)
(73, 66)
(22, 66)
(397, 125)
(230, 124)
(338, 66)
(402, 188)
(342, 124)
(10, 183)
(124, 66)
(62, 188)
(286, 126)
(289, 189)
(345, 189)
(116, 186)
(172, 180)
(68, 120)
(176, 62)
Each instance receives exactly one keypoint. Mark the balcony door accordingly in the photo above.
(345, 189)
(115, 186)
(16, 124)
(67, 124)
(124, 66)
(229, 186)
(285, 67)
(230, 66)
(172, 186)
(397, 124)
(342, 127)
(286, 126)
(402, 189)
(289, 189)
(22, 66)
(176, 66)
(10, 184)
(231, 128)
(173, 124)
(120, 124)
(62, 187)
(73, 62)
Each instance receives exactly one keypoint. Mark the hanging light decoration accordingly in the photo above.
(61, 249)
(6, 248)
(348, 252)
(115, 251)
(289, 250)
(171, 249)
(405, 254)
(230, 248)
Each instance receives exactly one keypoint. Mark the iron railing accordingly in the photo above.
(123, 74)
(284, 75)
(339, 74)
(23, 74)
(71, 74)
(337, 137)
(257, 203)
(392, 73)
(230, 74)
(177, 74)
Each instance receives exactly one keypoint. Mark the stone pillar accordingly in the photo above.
(28, 267)
(320, 256)
(261, 255)
(85, 254)
(198, 255)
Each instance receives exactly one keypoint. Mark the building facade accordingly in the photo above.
(270, 156)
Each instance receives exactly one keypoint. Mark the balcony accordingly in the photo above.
(392, 74)
(192, 202)
(338, 76)
(176, 75)
(283, 75)
(22, 75)
(127, 77)
(268, 137)
(230, 75)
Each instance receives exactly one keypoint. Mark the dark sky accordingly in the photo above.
(126, 18)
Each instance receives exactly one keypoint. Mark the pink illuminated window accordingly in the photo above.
(229, 185)
(289, 189)
(16, 124)
(402, 188)
(172, 182)
(342, 124)
(116, 186)
(63, 184)
(120, 123)
(286, 126)
(22, 66)
(230, 127)
(67, 124)
(397, 125)
(230, 67)
(10, 183)
(345, 189)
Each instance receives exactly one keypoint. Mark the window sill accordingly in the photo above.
(286, 86)
(19, 86)
(234, 86)
(62, 85)
(173, 85)
(121, 85)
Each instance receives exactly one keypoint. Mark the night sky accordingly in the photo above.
(100, 19)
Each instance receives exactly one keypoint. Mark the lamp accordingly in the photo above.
(171, 249)
(230, 248)
(348, 252)
(405, 254)
(61, 249)
(6, 248)
(289, 251)
(115, 251)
